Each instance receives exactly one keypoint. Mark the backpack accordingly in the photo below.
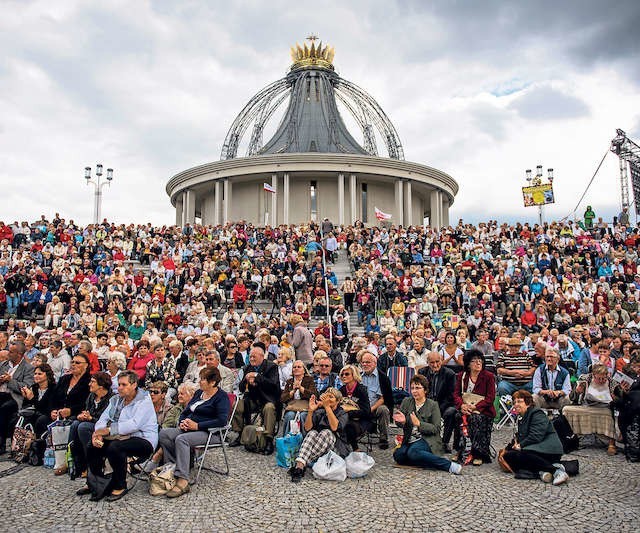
(570, 441)
(252, 439)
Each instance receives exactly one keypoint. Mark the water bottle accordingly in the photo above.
(49, 458)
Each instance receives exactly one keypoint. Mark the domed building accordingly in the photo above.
(312, 166)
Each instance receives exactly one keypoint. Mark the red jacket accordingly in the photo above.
(485, 386)
(239, 293)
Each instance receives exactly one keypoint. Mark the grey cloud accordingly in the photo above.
(546, 103)
(491, 120)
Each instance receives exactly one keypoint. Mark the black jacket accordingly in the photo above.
(361, 397)
(441, 386)
(76, 398)
(95, 410)
(267, 384)
(43, 406)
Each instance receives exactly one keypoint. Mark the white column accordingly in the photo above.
(179, 210)
(273, 218)
(189, 207)
(352, 198)
(436, 205)
(408, 203)
(226, 204)
(218, 200)
(341, 199)
(285, 207)
(208, 209)
(444, 215)
(399, 196)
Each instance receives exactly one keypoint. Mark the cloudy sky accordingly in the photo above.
(480, 90)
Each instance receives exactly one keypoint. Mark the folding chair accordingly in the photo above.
(221, 432)
(400, 377)
(140, 464)
(509, 416)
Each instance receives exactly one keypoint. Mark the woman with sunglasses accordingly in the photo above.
(158, 392)
(231, 358)
(356, 404)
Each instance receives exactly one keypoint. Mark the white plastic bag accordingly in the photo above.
(358, 464)
(330, 467)
(294, 425)
(60, 439)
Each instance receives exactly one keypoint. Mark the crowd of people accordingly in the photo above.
(144, 337)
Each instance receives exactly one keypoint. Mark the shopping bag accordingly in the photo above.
(22, 440)
(59, 439)
(287, 449)
(294, 425)
(358, 464)
(330, 467)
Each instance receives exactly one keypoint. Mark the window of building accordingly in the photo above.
(313, 191)
(364, 203)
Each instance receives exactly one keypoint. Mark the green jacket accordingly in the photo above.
(536, 433)
(172, 416)
(429, 416)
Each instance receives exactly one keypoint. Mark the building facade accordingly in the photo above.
(312, 167)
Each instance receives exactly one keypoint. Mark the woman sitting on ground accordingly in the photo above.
(536, 447)
(295, 396)
(324, 429)
(209, 408)
(128, 427)
(473, 395)
(356, 404)
(420, 419)
(100, 392)
(591, 412)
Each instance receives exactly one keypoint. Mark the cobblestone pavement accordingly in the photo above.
(258, 496)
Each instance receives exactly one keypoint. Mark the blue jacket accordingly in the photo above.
(584, 361)
(138, 419)
(213, 413)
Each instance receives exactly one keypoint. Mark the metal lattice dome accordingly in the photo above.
(312, 121)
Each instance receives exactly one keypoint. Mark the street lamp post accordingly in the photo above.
(536, 181)
(98, 184)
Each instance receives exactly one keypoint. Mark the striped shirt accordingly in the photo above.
(520, 361)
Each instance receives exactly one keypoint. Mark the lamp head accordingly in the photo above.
(109, 174)
(87, 173)
(99, 169)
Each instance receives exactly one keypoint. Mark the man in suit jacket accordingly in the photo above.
(380, 396)
(15, 373)
(442, 381)
(261, 388)
(340, 333)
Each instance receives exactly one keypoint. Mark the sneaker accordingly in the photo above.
(455, 468)
(560, 477)
(477, 462)
(546, 477)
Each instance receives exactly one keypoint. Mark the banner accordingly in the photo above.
(381, 215)
(538, 195)
(635, 183)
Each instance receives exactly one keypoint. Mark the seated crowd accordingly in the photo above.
(144, 361)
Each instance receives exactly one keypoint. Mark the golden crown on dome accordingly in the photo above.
(312, 56)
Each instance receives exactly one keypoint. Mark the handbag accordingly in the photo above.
(330, 467)
(22, 440)
(471, 398)
(98, 483)
(162, 480)
(287, 448)
(506, 467)
(358, 464)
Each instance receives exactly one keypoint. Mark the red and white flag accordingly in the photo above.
(381, 215)
(268, 188)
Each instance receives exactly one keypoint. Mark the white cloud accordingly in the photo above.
(481, 90)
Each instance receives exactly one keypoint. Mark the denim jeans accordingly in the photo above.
(419, 454)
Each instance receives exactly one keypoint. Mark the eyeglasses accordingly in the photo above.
(345, 373)
(155, 391)
(78, 362)
(324, 365)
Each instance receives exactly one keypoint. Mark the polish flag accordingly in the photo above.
(381, 215)
(268, 188)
